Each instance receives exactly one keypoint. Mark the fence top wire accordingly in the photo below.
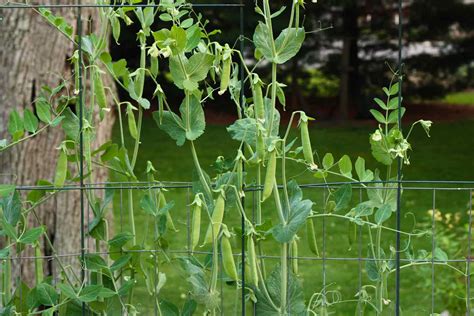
(16, 5)
(450, 185)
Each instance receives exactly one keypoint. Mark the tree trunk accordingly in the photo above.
(350, 87)
(34, 54)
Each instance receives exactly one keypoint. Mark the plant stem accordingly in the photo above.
(284, 278)
(131, 216)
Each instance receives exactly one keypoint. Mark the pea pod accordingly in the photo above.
(38, 264)
(311, 236)
(294, 256)
(169, 219)
(306, 142)
(252, 261)
(216, 220)
(260, 146)
(132, 124)
(61, 170)
(196, 223)
(258, 99)
(226, 70)
(100, 93)
(269, 176)
(228, 259)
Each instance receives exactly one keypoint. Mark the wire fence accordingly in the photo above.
(340, 270)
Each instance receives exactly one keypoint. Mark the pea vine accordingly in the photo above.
(199, 66)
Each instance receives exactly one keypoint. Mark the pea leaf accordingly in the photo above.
(193, 118)
(288, 44)
(383, 214)
(46, 294)
(380, 148)
(343, 197)
(244, 130)
(90, 293)
(32, 235)
(43, 110)
(15, 125)
(263, 41)
(192, 71)
(11, 206)
(120, 239)
(345, 166)
(6, 189)
(94, 262)
(297, 214)
(372, 271)
(171, 124)
(363, 174)
(295, 297)
(30, 120)
(328, 161)
(70, 124)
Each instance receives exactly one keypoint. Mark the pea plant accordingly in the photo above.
(199, 66)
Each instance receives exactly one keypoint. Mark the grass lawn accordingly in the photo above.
(444, 156)
(463, 98)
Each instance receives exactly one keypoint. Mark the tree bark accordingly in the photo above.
(34, 54)
(349, 89)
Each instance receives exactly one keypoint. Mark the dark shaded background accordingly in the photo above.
(342, 67)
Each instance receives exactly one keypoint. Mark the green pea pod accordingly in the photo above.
(169, 219)
(100, 93)
(228, 259)
(216, 220)
(260, 146)
(154, 66)
(225, 76)
(38, 264)
(311, 236)
(252, 261)
(61, 170)
(249, 276)
(258, 101)
(269, 176)
(132, 124)
(306, 142)
(294, 256)
(196, 225)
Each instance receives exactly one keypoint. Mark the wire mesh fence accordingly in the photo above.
(422, 276)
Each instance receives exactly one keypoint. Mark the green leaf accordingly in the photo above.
(363, 209)
(168, 308)
(11, 206)
(120, 239)
(440, 254)
(4, 253)
(90, 293)
(244, 130)
(148, 205)
(15, 125)
(393, 104)
(94, 262)
(343, 197)
(345, 166)
(189, 307)
(372, 271)
(297, 214)
(61, 170)
(328, 161)
(6, 189)
(193, 70)
(383, 214)
(32, 235)
(193, 117)
(67, 290)
(378, 116)
(381, 103)
(120, 262)
(295, 297)
(193, 37)
(43, 110)
(70, 124)
(263, 41)
(380, 149)
(171, 124)
(31, 122)
(394, 89)
(46, 294)
(363, 174)
(288, 44)
(393, 117)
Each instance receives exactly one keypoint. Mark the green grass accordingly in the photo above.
(447, 155)
(462, 98)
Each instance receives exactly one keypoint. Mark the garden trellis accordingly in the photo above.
(101, 280)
